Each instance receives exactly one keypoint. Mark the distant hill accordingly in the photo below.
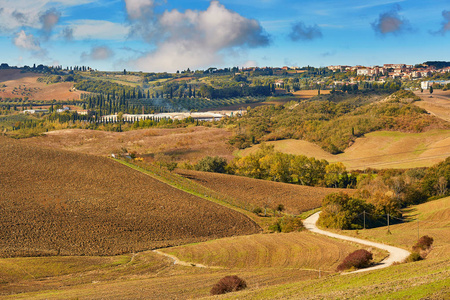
(438, 64)
(16, 84)
(63, 203)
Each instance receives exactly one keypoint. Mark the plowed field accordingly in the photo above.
(57, 202)
(261, 193)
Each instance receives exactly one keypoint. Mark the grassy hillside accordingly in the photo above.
(62, 203)
(438, 104)
(262, 193)
(380, 149)
(297, 250)
(182, 144)
(429, 279)
(263, 260)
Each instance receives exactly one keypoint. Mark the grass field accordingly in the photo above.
(381, 149)
(183, 144)
(438, 104)
(297, 250)
(62, 203)
(264, 260)
(427, 279)
(262, 193)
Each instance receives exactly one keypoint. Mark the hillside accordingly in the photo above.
(21, 85)
(62, 203)
(438, 104)
(427, 279)
(379, 150)
(262, 193)
(181, 144)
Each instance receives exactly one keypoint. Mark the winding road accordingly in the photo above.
(395, 254)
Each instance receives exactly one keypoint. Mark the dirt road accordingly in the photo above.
(395, 254)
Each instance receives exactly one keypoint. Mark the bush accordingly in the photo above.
(414, 256)
(211, 164)
(287, 224)
(257, 210)
(358, 259)
(424, 243)
(228, 284)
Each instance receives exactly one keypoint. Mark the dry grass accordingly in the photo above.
(62, 203)
(34, 90)
(434, 221)
(261, 260)
(382, 149)
(297, 250)
(262, 193)
(438, 104)
(307, 94)
(183, 144)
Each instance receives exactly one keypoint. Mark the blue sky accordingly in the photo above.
(170, 35)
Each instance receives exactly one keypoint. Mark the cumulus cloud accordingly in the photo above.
(300, 31)
(26, 41)
(97, 53)
(49, 19)
(445, 24)
(197, 38)
(391, 22)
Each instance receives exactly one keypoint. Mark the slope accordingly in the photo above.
(63, 203)
(262, 193)
(381, 149)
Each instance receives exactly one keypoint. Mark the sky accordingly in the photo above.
(171, 35)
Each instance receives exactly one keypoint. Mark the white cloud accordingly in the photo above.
(198, 38)
(137, 9)
(17, 13)
(27, 42)
(98, 30)
(98, 53)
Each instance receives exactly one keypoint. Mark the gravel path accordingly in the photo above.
(395, 254)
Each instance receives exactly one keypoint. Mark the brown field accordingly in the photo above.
(438, 104)
(382, 149)
(183, 144)
(261, 193)
(57, 202)
(21, 85)
(306, 94)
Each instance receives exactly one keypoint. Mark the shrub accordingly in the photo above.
(414, 256)
(257, 210)
(358, 259)
(424, 243)
(211, 164)
(287, 224)
(228, 284)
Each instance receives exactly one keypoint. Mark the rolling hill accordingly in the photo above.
(262, 193)
(62, 203)
(379, 150)
(21, 85)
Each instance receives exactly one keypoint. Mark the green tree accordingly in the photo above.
(212, 164)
